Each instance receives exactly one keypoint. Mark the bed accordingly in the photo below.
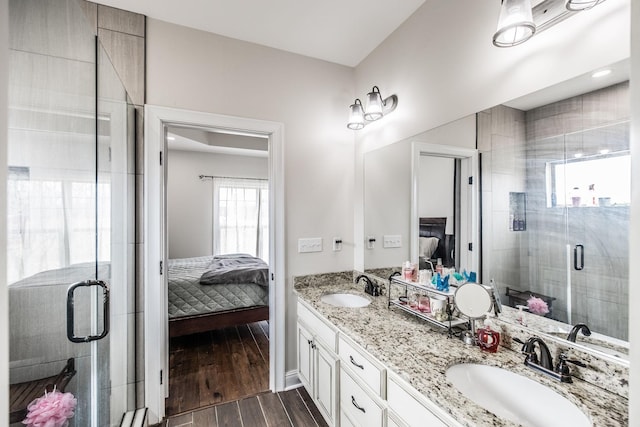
(434, 243)
(212, 292)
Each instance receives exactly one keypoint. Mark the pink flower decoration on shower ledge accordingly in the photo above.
(537, 306)
(52, 410)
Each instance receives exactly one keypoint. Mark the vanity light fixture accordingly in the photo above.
(515, 25)
(376, 108)
(578, 5)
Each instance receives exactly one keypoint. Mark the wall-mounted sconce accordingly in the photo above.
(515, 24)
(578, 5)
(518, 22)
(375, 109)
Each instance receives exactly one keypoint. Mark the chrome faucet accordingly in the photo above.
(543, 362)
(579, 327)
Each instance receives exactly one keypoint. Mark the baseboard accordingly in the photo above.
(291, 380)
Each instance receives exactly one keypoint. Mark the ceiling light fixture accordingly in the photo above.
(375, 109)
(515, 25)
(578, 5)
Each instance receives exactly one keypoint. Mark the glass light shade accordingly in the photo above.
(515, 24)
(373, 110)
(577, 5)
(356, 116)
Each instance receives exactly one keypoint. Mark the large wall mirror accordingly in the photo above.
(555, 201)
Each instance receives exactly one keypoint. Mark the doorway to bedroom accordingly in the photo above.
(217, 245)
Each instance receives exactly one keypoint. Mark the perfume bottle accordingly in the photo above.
(488, 339)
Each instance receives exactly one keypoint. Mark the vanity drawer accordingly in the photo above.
(409, 409)
(325, 333)
(357, 404)
(372, 374)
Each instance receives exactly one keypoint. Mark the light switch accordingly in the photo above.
(313, 244)
(392, 241)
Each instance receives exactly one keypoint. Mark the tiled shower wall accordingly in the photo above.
(516, 148)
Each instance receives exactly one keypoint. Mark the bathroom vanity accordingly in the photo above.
(379, 366)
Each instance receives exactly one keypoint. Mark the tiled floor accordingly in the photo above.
(293, 408)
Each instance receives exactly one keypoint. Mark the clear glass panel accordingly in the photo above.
(68, 203)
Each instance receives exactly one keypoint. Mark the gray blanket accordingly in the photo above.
(236, 268)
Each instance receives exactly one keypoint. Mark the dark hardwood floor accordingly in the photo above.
(217, 366)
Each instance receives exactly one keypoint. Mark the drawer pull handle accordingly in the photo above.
(353, 401)
(353, 362)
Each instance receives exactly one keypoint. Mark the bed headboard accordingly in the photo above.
(435, 227)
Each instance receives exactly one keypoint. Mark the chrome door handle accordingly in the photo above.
(70, 311)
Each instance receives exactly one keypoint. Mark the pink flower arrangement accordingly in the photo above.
(537, 306)
(52, 410)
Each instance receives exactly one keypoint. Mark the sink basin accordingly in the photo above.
(515, 397)
(345, 300)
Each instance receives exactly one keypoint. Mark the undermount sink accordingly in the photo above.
(515, 397)
(345, 300)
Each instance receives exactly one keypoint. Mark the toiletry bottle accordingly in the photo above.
(487, 338)
(407, 271)
(439, 266)
(521, 316)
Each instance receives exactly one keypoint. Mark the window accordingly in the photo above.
(602, 180)
(241, 216)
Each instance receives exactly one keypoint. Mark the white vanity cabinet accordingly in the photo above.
(351, 387)
(318, 362)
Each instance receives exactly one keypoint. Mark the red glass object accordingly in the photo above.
(488, 339)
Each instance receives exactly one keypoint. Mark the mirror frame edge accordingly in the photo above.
(471, 192)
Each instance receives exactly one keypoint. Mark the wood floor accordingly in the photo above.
(293, 408)
(217, 366)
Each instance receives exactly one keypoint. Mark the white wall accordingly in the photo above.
(442, 65)
(4, 308)
(436, 186)
(194, 70)
(190, 199)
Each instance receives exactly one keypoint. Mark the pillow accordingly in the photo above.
(428, 246)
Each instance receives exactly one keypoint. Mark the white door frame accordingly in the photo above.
(156, 337)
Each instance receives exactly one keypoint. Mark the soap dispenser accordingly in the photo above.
(488, 339)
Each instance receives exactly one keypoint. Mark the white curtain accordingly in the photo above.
(51, 223)
(241, 216)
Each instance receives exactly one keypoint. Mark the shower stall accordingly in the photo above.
(70, 227)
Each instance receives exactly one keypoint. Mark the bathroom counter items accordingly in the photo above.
(421, 354)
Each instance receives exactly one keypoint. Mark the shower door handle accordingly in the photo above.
(576, 249)
(70, 311)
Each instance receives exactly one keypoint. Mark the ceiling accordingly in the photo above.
(339, 31)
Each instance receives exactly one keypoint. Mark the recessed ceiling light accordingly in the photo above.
(601, 73)
(577, 155)
(605, 151)
(171, 138)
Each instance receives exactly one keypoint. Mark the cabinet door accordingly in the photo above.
(305, 358)
(326, 369)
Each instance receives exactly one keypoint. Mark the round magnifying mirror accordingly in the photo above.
(472, 300)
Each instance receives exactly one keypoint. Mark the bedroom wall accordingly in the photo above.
(436, 188)
(190, 199)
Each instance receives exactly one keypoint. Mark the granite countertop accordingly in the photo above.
(421, 354)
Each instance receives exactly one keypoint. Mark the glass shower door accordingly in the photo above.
(69, 187)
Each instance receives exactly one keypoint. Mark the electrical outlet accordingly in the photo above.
(392, 241)
(313, 244)
(371, 242)
(337, 244)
